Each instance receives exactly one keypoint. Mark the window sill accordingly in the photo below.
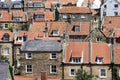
(103, 76)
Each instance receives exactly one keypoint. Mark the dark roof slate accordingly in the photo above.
(42, 45)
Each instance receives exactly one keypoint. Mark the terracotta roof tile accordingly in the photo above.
(74, 10)
(111, 22)
(81, 49)
(101, 50)
(34, 36)
(48, 15)
(19, 13)
(40, 27)
(33, 78)
(77, 50)
(37, 27)
(84, 28)
(60, 26)
(5, 16)
(117, 54)
(4, 32)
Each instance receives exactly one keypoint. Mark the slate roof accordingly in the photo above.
(42, 45)
(3, 71)
(10, 4)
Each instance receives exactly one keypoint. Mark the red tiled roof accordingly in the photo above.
(6, 16)
(19, 13)
(4, 32)
(74, 10)
(60, 26)
(33, 78)
(84, 28)
(34, 36)
(40, 27)
(48, 15)
(77, 49)
(117, 54)
(101, 50)
(37, 27)
(111, 22)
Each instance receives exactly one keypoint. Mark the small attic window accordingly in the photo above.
(55, 32)
(99, 60)
(76, 28)
(6, 37)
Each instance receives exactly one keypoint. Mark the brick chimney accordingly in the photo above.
(43, 75)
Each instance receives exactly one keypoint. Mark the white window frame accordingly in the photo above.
(27, 68)
(83, 16)
(17, 19)
(105, 73)
(76, 60)
(5, 24)
(6, 52)
(64, 16)
(51, 69)
(52, 54)
(20, 40)
(74, 72)
(18, 63)
(56, 34)
(27, 55)
(18, 50)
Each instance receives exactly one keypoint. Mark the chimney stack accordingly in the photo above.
(43, 75)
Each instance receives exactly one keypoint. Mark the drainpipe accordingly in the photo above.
(112, 54)
(90, 55)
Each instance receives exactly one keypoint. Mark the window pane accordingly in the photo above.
(53, 69)
(29, 68)
(72, 71)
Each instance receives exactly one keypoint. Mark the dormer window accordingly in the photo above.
(76, 28)
(55, 32)
(99, 60)
(64, 16)
(37, 4)
(83, 16)
(20, 39)
(30, 4)
(75, 60)
(6, 37)
(17, 19)
(17, 6)
(39, 16)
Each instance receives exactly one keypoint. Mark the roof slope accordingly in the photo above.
(42, 45)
